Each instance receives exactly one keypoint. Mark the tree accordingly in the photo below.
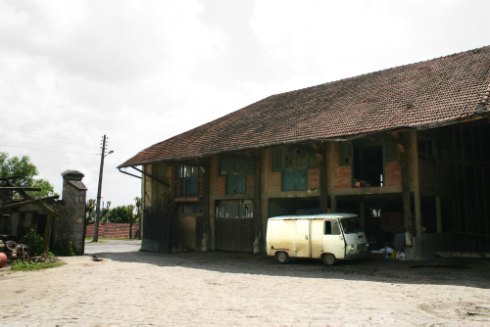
(105, 211)
(120, 214)
(45, 186)
(22, 171)
(137, 218)
(90, 208)
(19, 168)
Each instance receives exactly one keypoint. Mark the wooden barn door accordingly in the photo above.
(234, 225)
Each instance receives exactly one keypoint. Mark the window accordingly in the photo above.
(345, 153)
(234, 209)
(293, 158)
(332, 228)
(236, 170)
(294, 180)
(293, 163)
(368, 165)
(351, 225)
(188, 179)
(236, 184)
(233, 165)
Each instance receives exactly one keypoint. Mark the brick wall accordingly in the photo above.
(272, 179)
(392, 174)
(111, 230)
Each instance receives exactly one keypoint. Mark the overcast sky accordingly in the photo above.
(143, 71)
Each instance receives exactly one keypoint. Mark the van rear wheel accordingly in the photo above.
(281, 257)
(328, 259)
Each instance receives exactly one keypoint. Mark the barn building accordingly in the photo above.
(406, 148)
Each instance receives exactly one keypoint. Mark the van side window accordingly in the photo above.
(331, 228)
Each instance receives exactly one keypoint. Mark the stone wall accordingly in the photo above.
(70, 223)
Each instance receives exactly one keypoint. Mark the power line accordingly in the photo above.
(45, 150)
(38, 134)
(61, 139)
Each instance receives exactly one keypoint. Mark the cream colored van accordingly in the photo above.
(329, 237)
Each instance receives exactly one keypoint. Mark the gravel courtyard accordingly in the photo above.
(138, 288)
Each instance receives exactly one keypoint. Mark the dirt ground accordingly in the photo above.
(138, 288)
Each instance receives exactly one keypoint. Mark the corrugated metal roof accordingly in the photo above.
(421, 94)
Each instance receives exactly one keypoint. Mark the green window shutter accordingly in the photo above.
(236, 184)
(294, 180)
(345, 153)
(189, 186)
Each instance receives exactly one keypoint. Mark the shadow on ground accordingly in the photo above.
(470, 273)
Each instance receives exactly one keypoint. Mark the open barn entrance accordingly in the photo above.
(381, 216)
(294, 206)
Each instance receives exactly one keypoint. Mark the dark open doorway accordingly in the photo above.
(293, 206)
(368, 165)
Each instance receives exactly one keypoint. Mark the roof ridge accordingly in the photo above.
(475, 50)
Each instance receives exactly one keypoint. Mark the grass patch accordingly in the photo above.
(20, 265)
(45, 261)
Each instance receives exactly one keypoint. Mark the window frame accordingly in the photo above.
(188, 177)
(242, 206)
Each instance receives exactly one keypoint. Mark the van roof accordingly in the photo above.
(317, 216)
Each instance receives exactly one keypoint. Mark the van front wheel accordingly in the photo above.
(328, 259)
(281, 257)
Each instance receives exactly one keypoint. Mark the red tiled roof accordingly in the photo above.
(418, 95)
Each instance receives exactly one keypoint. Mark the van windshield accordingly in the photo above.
(351, 225)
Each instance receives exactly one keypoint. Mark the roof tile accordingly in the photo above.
(434, 91)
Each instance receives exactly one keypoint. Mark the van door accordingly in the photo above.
(316, 238)
(302, 239)
(333, 240)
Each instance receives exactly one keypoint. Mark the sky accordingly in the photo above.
(143, 71)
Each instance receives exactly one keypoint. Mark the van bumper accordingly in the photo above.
(359, 251)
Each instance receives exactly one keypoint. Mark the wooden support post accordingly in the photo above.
(324, 179)
(438, 214)
(333, 202)
(48, 231)
(406, 195)
(415, 173)
(205, 208)
(257, 207)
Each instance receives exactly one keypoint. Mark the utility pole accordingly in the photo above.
(99, 189)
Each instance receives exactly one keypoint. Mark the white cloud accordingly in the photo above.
(320, 41)
(144, 71)
(74, 70)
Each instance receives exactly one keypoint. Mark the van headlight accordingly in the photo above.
(350, 248)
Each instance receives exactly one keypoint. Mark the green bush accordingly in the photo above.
(35, 243)
(121, 214)
(64, 248)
